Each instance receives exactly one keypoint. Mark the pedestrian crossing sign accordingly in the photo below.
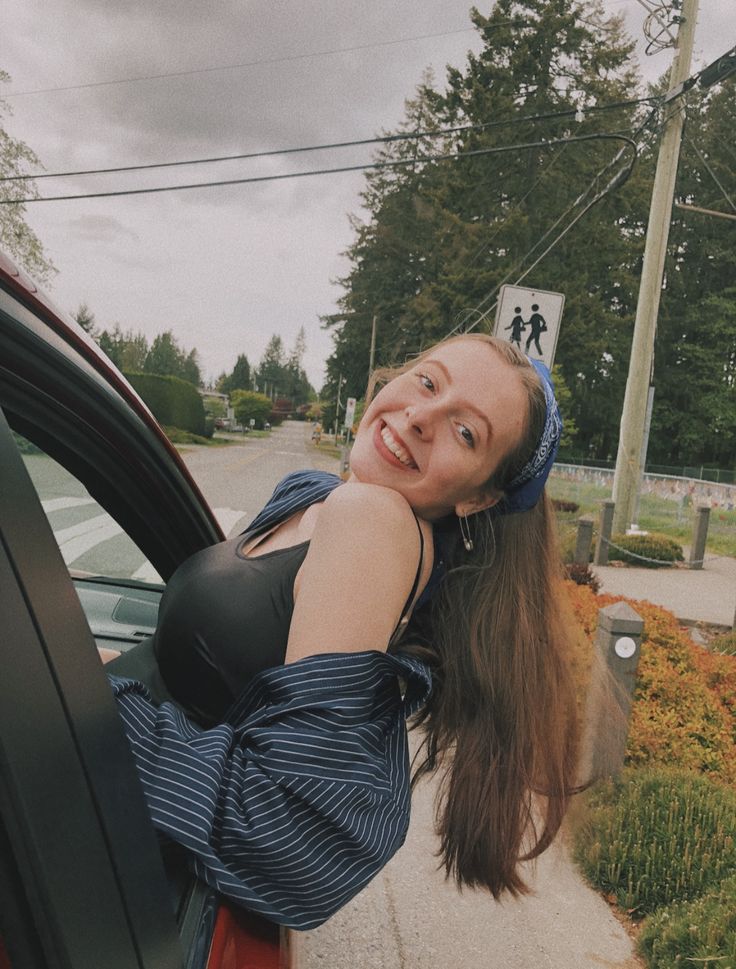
(530, 318)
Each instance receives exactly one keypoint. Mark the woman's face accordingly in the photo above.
(436, 433)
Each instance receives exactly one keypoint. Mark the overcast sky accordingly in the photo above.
(225, 268)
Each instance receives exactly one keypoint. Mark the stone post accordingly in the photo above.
(604, 533)
(584, 540)
(611, 690)
(700, 534)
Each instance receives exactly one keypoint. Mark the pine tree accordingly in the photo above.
(441, 237)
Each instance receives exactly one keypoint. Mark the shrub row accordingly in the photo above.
(658, 548)
(656, 837)
(172, 401)
(661, 843)
(698, 933)
(684, 709)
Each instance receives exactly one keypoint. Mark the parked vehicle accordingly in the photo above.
(84, 465)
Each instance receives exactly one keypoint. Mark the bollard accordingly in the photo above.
(700, 534)
(611, 690)
(584, 540)
(604, 532)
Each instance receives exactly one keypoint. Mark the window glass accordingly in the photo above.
(91, 542)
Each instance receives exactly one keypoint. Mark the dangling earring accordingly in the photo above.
(465, 532)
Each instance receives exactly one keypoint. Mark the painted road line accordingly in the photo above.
(57, 504)
(78, 539)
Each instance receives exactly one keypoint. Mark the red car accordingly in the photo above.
(96, 512)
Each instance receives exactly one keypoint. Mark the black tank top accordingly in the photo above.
(224, 617)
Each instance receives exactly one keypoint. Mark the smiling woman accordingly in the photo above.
(435, 562)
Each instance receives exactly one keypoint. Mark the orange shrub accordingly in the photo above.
(684, 710)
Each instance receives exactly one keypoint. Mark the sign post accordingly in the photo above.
(530, 318)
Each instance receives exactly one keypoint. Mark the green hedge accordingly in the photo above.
(699, 933)
(173, 401)
(657, 837)
(658, 547)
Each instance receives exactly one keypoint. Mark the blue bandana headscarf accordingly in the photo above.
(524, 490)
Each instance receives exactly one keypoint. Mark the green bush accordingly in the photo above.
(173, 401)
(699, 933)
(565, 507)
(725, 644)
(247, 406)
(658, 547)
(656, 837)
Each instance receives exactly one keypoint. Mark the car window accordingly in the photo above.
(92, 543)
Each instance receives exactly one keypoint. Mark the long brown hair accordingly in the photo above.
(501, 720)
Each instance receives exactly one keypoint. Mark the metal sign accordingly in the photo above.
(350, 411)
(530, 318)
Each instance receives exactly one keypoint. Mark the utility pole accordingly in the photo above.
(373, 345)
(626, 482)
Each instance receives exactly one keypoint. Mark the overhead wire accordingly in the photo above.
(366, 166)
(710, 171)
(618, 179)
(282, 59)
(355, 143)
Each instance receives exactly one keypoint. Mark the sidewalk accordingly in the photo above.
(694, 595)
(410, 917)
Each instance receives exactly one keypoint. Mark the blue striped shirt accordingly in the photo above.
(300, 797)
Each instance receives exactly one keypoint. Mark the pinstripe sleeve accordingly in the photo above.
(294, 804)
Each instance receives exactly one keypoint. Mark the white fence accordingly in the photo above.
(680, 490)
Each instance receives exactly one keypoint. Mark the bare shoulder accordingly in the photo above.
(362, 562)
(357, 512)
(368, 501)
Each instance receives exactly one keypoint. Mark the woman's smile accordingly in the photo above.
(392, 447)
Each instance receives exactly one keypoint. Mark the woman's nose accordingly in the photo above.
(419, 419)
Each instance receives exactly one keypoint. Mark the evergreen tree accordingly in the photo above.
(238, 379)
(694, 417)
(271, 369)
(442, 237)
(164, 357)
(86, 319)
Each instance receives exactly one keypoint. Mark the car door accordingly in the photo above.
(81, 875)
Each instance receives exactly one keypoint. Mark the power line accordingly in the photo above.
(383, 139)
(618, 179)
(601, 136)
(236, 67)
(712, 174)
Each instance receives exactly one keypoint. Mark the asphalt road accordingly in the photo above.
(238, 480)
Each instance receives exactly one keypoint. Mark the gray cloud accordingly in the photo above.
(225, 268)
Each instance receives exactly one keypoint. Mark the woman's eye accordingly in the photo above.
(426, 381)
(467, 435)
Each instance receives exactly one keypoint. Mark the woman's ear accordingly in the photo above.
(483, 500)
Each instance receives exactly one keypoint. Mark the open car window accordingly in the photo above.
(92, 542)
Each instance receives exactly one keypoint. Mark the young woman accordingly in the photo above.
(282, 763)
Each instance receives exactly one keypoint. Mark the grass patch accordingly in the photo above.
(177, 436)
(671, 518)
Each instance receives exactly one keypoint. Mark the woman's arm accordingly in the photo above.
(295, 803)
(358, 573)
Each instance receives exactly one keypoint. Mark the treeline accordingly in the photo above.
(131, 352)
(279, 375)
(438, 239)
